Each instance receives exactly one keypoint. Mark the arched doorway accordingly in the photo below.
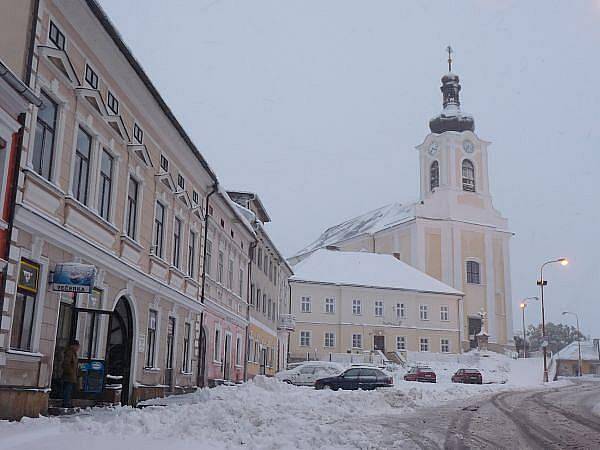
(118, 347)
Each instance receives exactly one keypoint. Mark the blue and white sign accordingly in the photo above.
(74, 277)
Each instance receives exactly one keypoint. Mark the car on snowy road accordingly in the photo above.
(468, 376)
(307, 373)
(420, 373)
(365, 378)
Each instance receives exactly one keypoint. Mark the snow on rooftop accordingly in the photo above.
(371, 222)
(571, 352)
(366, 269)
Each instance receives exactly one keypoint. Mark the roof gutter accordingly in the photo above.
(18, 85)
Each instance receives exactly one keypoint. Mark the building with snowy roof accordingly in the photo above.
(567, 359)
(362, 301)
(452, 232)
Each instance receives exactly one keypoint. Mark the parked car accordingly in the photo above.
(420, 373)
(307, 373)
(356, 378)
(470, 376)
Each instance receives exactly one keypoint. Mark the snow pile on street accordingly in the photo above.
(261, 414)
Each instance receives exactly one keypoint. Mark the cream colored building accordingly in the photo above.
(109, 177)
(453, 232)
(268, 331)
(347, 302)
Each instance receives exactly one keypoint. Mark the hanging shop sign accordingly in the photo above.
(74, 277)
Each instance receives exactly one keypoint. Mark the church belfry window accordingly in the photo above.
(434, 175)
(468, 176)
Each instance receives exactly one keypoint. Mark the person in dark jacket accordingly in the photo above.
(69, 378)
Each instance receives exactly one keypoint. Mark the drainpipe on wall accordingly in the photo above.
(249, 293)
(200, 376)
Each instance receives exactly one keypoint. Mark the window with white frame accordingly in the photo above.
(192, 254)
(91, 77)
(400, 343)
(473, 272)
(379, 308)
(357, 340)
(151, 339)
(25, 306)
(177, 242)
(106, 182)
(305, 338)
(445, 345)
(81, 172)
(329, 339)
(238, 351)
(250, 350)
(164, 163)
(400, 311)
(45, 129)
(434, 175)
(330, 305)
(264, 304)
(187, 330)
(424, 344)
(444, 313)
(132, 205)
(180, 181)
(138, 134)
(423, 312)
(217, 346)
(159, 229)
(356, 307)
(112, 102)
(220, 263)
(468, 176)
(208, 256)
(56, 36)
(241, 283)
(305, 304)
(230, 274)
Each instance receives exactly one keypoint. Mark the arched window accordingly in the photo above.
(473, 274)
(468, 176)
(434, 175)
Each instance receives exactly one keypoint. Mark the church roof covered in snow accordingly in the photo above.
(369, 223)
(588, 352)
(368, 270)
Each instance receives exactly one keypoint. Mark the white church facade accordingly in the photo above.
(452, 233)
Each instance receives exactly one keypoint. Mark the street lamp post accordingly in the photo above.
(523, 305)
(541, 283)
(578, 341)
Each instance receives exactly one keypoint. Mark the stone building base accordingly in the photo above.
(18, 403)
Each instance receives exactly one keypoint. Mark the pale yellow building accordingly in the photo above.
(350, 302)
(453, 232)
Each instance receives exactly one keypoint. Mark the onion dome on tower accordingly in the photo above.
(451, 118)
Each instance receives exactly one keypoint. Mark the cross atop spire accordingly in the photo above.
(450, 51)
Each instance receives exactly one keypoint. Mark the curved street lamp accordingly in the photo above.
(541, 283)
(522, 306)
(578, 340)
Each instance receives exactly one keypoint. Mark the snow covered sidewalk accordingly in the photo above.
(261, 414)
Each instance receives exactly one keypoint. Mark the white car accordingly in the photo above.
(306, 374)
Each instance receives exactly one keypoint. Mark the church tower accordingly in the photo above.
(465, 240)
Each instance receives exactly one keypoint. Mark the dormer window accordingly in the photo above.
(468, 176)
(181, 181)
(195, 197)
(138, 134)
(91, 77)
(112, 103)
(56, 36)
(434, 176)
(164, 163)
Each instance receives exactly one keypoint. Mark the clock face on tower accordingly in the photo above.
(468, 146)
(433, 148)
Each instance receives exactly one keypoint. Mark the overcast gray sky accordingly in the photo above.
(318, 105)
